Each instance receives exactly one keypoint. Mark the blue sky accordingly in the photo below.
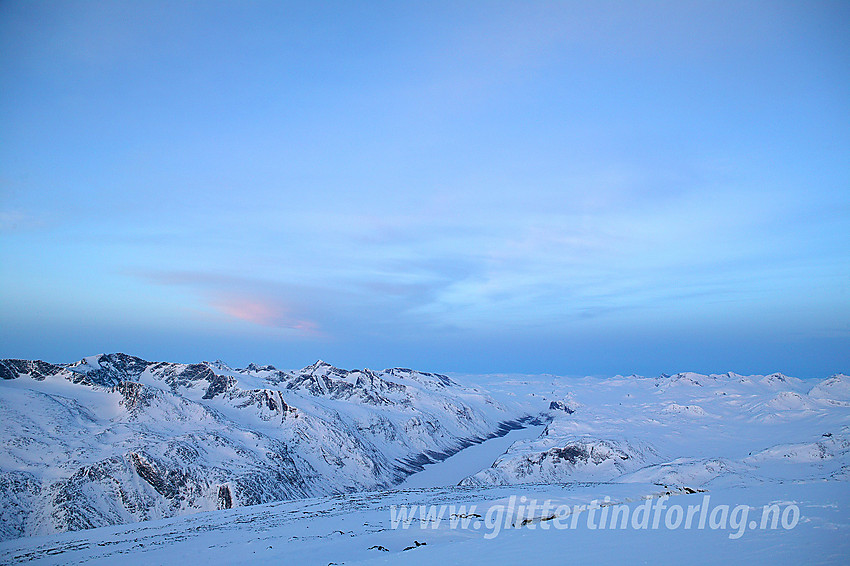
(564, 187)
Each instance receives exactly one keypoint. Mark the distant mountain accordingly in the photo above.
(113, 438)
(684, 431)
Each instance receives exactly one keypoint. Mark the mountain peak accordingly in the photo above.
(318, 365)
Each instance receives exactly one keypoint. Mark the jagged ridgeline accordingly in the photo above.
(114, 439)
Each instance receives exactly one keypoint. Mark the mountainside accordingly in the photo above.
(114, 439)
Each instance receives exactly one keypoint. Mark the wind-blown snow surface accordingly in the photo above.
(115, 439)
(355, 529)
(742, 440)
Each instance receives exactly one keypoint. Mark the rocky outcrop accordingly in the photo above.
(561, 406)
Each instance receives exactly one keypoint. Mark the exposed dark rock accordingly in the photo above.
(37, 369)
(561, 406)
(113, 369)
(166, 482)
(225, 501)
(135, 395)
(18, 492)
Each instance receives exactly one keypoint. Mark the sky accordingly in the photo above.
(575, 188)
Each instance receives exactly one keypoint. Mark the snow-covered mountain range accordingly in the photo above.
(685, 430)
(114, 439)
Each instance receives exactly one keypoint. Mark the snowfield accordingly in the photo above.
(324, 465)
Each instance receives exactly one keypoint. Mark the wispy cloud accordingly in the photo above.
(258, 302)
(17, 220)
(263, 311)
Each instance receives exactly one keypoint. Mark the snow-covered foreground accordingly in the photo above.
(676, 469)
(357, 529)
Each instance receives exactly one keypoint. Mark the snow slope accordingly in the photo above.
(357, 529)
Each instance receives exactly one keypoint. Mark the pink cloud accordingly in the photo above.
(253, 301)
(263, 312)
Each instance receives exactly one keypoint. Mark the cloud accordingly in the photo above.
(263, 303)
(262, 311)
(13, 220)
